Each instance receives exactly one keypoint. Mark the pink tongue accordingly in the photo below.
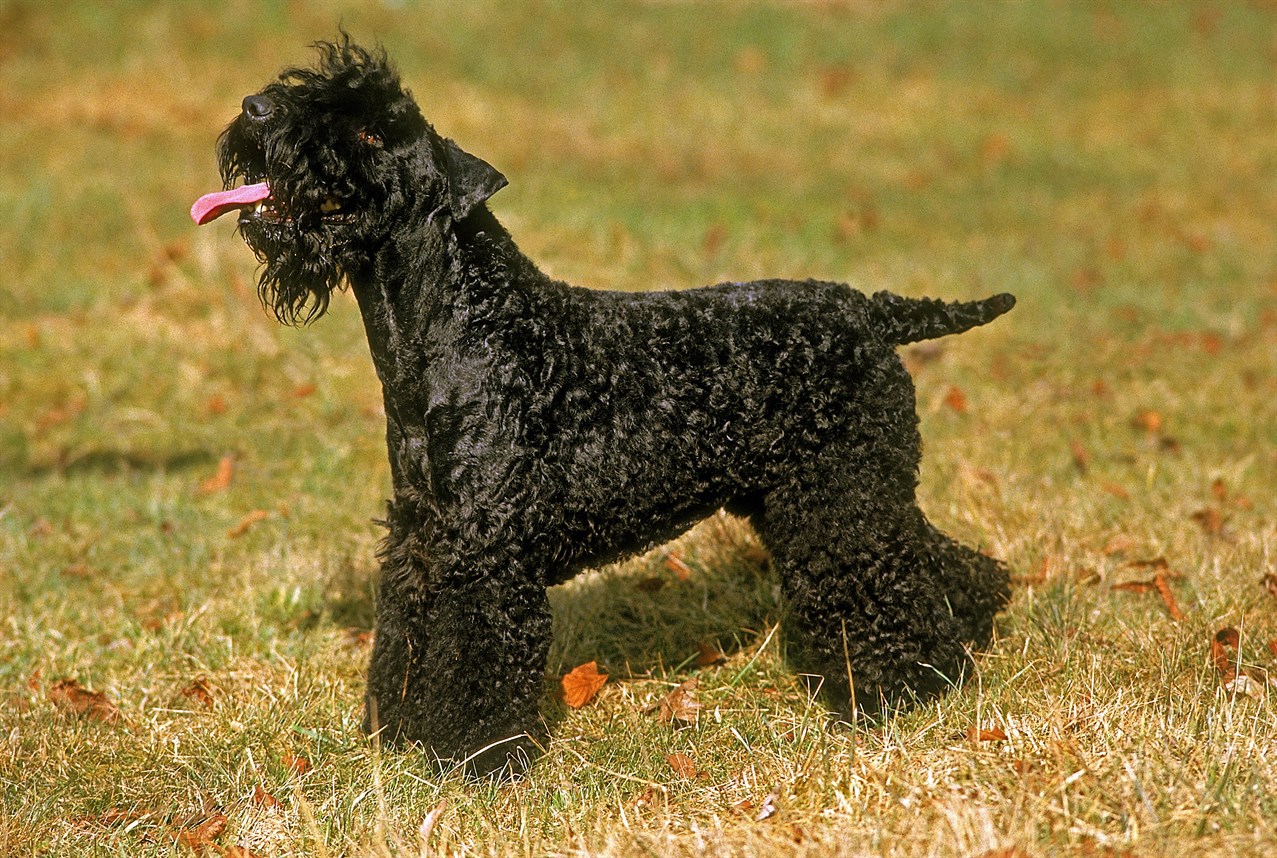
(212, 206)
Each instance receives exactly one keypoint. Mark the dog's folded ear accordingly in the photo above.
(471, 180)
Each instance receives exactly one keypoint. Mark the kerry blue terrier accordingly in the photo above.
(535, 428)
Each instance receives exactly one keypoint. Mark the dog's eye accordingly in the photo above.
(369, 137)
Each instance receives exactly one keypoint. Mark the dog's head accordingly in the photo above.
(324, 164)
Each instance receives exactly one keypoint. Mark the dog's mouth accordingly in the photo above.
(255, 204)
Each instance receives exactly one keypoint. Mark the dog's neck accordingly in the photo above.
(411, 288)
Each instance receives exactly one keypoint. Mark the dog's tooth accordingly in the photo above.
(329, 205)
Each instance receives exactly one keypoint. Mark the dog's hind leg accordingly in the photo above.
(458, 666)
(881, 606)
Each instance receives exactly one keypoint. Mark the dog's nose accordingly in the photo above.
(258, 107)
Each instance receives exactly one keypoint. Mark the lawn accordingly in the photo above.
(188, 489)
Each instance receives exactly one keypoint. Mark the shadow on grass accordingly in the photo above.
(109, 461)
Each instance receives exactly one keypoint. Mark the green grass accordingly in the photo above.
(1109, 163)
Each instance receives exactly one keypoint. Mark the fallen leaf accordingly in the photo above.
(200, 692)
(221, 480)
(216, 405)
(681, 705)
(990, 734)
(582, 683)
(1159, 563)
(1272, 646)
(714, 238)
(1219, 490)
(1115, 490)
(956, 400)
(302, 391)
(1159, 584)
(678, 567)
(1149, 421)
(1081, 458)
(1224, 651)
(647, 798)
(114, 816)
(296, 763)
(1118, 544)
(247, 522)
(708, 654)
(682, 765)
(1211, 521)
(69, 695)
(358, 637)
(200, 836)
(262, 798)
(238, 851)
(1168, 598)
(1134, 586)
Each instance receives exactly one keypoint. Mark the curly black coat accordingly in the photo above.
(535, 428)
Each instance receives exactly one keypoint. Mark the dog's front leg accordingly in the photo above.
(458, 665)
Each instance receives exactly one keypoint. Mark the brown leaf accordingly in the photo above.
(1115, 490)
(1272, 646)
(358, 637)
(70, 696)
(1159, 584)
(216, 405)
(678, 566)
(1081, 458)
(1149, 421)
(238, 851)
(220, 481)
(247, 522)
(714, 238)
(302, 391)
(200, 692)
(647, 798)
(262, 798)
(114, 816)
(296, 763)
(1211, 520)
(1118, 544)
(1134, 586)
(956, 400)
(582, 683)
(1168, 598)
(1219, 490)
(1224, 649)
(681, 705)
(708, 654)
(990, 734)
(200, 836)
(682, 765)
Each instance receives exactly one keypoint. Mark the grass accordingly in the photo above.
(1109, 163)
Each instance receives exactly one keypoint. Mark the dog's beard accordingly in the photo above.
(301, 271)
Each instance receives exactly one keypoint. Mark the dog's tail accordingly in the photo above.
(901, 320)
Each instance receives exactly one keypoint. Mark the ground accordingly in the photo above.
(1105, 163)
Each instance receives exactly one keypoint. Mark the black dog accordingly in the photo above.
(535, 428)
